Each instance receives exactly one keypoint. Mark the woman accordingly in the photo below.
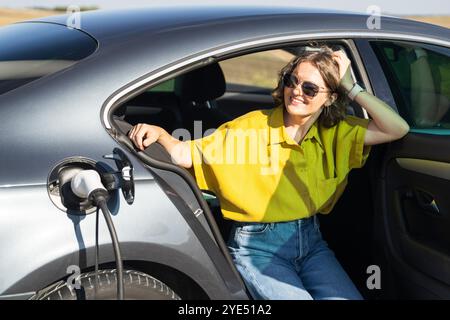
(274, 170)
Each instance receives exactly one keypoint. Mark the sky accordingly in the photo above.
(394, 7)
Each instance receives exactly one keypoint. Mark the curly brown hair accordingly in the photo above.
(322, 58)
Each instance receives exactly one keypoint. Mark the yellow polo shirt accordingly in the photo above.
(260, 174)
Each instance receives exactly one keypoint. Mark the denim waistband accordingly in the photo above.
(303, 221)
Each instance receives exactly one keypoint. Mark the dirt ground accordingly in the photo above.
(439, 20)
(8, 16)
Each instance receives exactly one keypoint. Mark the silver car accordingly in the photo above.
(70, 89)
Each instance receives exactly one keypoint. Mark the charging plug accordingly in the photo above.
(87, 184)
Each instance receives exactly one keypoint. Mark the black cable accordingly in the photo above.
(100, 197)
(96, 253)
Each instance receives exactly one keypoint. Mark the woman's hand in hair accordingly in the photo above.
(344, 69)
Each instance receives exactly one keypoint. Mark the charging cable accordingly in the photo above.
(87, 185)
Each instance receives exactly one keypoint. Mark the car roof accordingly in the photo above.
(108, 25)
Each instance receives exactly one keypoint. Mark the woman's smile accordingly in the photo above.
(296, 101)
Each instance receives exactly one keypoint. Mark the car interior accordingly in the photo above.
(205, 95)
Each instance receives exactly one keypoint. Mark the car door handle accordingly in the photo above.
(427, 202)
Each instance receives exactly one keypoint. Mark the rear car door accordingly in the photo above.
(412, 210)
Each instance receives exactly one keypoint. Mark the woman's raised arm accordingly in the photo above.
(386, 125)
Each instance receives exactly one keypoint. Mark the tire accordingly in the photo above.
(137, 286)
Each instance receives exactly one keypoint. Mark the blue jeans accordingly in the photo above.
(288, 260)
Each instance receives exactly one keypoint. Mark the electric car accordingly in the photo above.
(71, 89)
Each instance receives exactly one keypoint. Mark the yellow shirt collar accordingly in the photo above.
(277, 130)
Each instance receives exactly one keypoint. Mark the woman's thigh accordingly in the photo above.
(264, 262)
(269, 277)
(324, 277)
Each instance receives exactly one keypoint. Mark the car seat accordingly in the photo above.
(197, 91)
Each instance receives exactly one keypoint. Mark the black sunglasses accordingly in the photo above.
(309, 89)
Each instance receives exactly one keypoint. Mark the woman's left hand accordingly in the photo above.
(344, 69)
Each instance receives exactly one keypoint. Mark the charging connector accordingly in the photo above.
(87, 184)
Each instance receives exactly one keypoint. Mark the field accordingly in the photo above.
(439, 20)
(8, 16)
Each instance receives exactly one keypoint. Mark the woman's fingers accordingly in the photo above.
(340, 53)
(139, 136)
(143, 135)
(133, 131)
(130, 133)
(136, 135)
(343, 62)
(340, 56)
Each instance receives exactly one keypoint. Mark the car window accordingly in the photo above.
(419, 78)
(249, 72)
(166, 86)
(30, 51)
(257, 70)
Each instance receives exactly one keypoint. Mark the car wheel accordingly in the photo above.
(137, 286)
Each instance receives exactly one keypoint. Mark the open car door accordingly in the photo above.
(412, 210)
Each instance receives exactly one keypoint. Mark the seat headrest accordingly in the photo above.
(201, 85)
